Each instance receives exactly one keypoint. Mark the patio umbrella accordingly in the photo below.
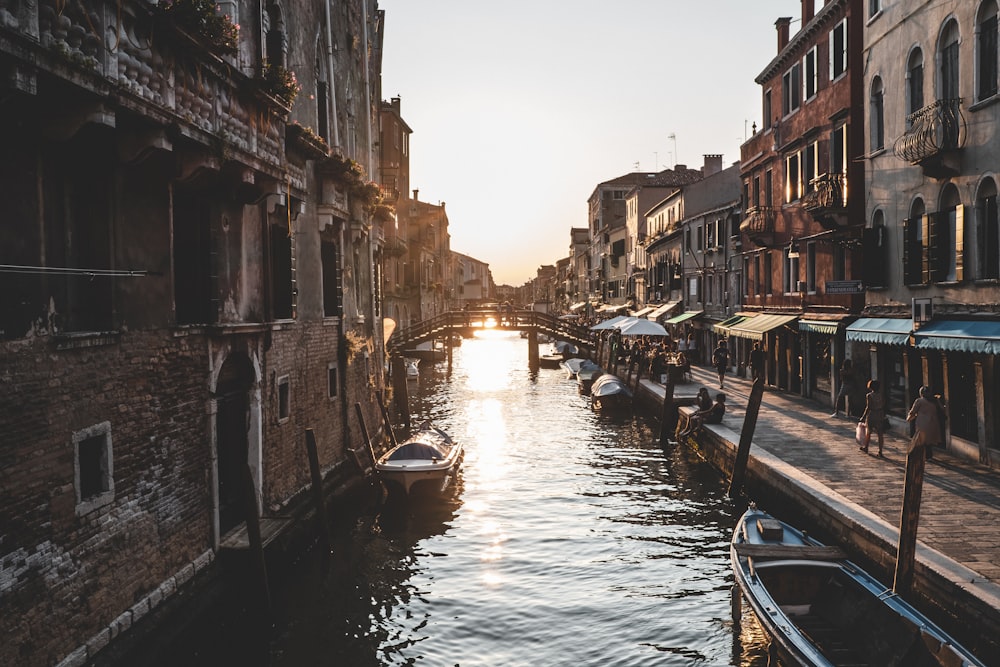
(608, 324)
(641, 327)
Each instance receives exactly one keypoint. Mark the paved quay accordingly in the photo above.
(798, 444)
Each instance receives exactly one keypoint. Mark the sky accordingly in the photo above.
(520, 108)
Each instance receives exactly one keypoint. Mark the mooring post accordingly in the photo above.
(746, 437)
(913, 485)
(254, 538)
(364, 433)
(400, 390)
(533, 349)
(317, 488)
(386, 420)
(450, 345)
(667, 411)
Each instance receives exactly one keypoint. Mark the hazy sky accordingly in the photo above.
(520, 108)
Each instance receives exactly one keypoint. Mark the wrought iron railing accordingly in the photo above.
(935, 129)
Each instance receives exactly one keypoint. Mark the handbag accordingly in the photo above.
(861, 433)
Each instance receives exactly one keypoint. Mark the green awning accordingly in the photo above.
(684, 317)
(755, 327)
(723, 327)
(976, 336)
(880, 330)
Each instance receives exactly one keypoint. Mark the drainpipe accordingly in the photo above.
(332, 102)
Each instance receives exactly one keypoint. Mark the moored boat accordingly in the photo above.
(821, 610)
(429, 458)
(610, 393)
(585, 376)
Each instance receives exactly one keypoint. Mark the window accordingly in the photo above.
(988, 232)
(767, 274)
(839, 262)
(875, 116)
(838, 50)
(768, 189)
(838, 152)
(93, 467)
(284, 399)
(949, 62)
(808, 167)
(811, 267)
(914, 83)
(618, 194)
(791, 89)
(756, 191)
(767, 110)
(986, 51)
(792, 178)
(876, 252)
(758, 276)
(746, 278)
(913, 245)
(790, 277)
(332, 306)
(281, 272)
(874, 7)
(946, 240)
(332, 380)
(811, 79)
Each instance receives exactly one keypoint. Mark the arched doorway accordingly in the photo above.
(232, 437)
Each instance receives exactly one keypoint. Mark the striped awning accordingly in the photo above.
(723, 326)
(976, 336)
(684, 317)
(881, 330)
(642, 312)
(662, 310)
(828, 326)
(754, 328)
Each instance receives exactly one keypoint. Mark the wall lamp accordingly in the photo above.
(793, 250)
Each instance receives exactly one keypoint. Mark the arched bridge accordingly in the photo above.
(466, 322)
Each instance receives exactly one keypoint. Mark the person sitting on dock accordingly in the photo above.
(713, 415)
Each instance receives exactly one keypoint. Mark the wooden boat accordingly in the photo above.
(586, 375)
(575, 365)
(550, 360)
(412, 369)
(429, 458)
(820, 609)
(427, 351)
(609, 393)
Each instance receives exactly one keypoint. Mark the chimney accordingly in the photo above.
(782, 25)
(713, 165)
(808, 11)
(395, 102)
(416, 194)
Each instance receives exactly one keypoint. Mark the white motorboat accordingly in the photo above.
(412, 369)
(428, 458)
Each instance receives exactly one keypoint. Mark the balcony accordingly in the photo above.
(758, 225)
(827, 201)
(935, 134)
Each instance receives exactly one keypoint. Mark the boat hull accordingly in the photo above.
(428, 459)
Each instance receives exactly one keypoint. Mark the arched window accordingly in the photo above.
(946, 240)
(914, 265)
(876, 252)
(914, 83)
(987, 231)
(948, 62)
(875, 116)
(986, 51)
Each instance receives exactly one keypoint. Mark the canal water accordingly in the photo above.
(569, 538)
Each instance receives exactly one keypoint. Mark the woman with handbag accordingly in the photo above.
(926, 420)
(873, 417)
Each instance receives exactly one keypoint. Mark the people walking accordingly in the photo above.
(846, 388)
(926, 419)
(874, 416)
(756, 361)
(720, 359)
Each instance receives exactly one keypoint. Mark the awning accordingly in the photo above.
(577, 306)
(662, 310)
(723, 326)
(978, 336)
(754, 328)
(610, 308)
(643, 311)
(881, 330)
(684, 317)
(828, 326)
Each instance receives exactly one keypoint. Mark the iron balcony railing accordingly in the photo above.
(828, 194)
(759, 220)
(937, 128)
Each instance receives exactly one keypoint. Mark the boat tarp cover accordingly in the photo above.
(417, 451)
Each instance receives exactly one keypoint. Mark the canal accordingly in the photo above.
(569, 538)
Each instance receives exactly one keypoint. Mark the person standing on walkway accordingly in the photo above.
(720, 359)
(756, 361)
(846, 389)
(873, 416)
(927, 423)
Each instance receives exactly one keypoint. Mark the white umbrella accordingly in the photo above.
(641, 327)
(608, 324)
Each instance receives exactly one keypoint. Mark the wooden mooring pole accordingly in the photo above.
(386, 420)
(533, 349)
(746, 438)
(317, 489)
(906, 552)
(667, 411)
(254, 538)
(397, 367)
(364, 433)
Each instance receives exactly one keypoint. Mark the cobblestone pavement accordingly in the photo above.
(960, 507)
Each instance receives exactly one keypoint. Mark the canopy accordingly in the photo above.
(754, 328)
(577, 306)
(643, 311)
(976, 336)
(388, 326)
(611, 308)
(642, 327)
(684, 317)
(723, 327)
(828, 325)
(608, 324)
(881, 330)
(662, 310)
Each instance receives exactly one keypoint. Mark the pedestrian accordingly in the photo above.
(720, 359)
(703, 400)
(926, 421)
(846, 388)
(712, 415)
(756, 361)
(873, 416)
